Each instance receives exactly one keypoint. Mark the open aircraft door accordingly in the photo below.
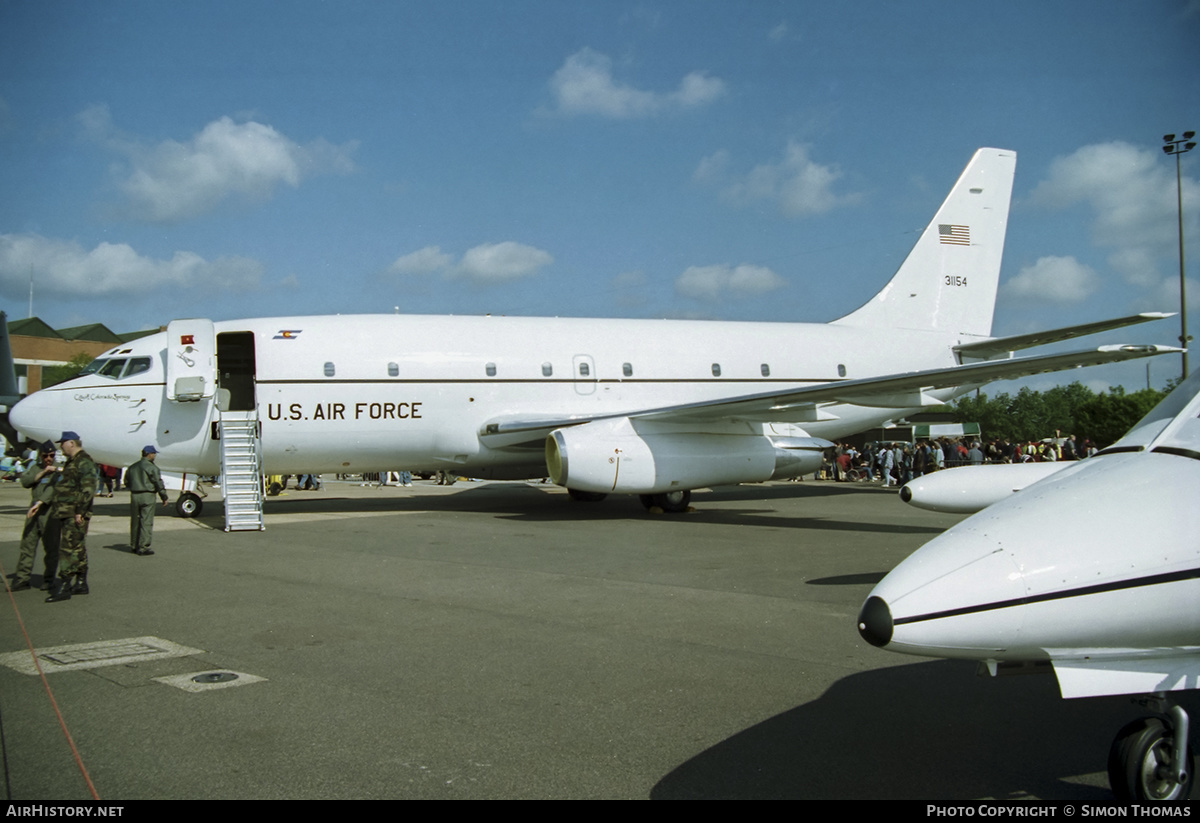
(191, 360)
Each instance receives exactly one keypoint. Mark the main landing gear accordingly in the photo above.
(670, 502)
(1151, 759)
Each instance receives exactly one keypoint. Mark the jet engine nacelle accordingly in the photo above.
(968, 489)
(612, 456)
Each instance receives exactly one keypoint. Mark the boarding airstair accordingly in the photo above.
(241, 471)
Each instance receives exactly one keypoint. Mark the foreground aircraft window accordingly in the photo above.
(393, 370)
(766, 370)
(627, 369)
(329, 370)
(716, 369)
(841, 370)
(137, 365)
(490, 368)
(113, 368)
(547, 370)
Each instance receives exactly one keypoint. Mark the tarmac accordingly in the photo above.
(498, 640)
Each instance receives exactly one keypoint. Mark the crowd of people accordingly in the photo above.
(896, 463)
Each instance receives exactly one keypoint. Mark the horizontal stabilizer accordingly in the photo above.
(996, 346)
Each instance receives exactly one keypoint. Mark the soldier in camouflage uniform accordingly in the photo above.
(73, 508)
(41, 476)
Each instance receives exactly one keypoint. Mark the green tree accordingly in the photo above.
(52, 375)
(1071, 409)
(990, 413)
(1062, 407)
(1029, 416)
(1108, 416)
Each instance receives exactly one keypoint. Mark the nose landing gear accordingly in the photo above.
(1150, 759)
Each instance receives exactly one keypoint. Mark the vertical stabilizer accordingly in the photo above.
(948, 281)
(9, 392)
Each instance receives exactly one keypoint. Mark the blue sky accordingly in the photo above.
(729, 160)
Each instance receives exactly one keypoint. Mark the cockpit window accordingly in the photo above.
(116, 368)
(93, 367)
(137, 365)
(112, 368)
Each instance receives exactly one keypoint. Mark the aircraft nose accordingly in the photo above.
(29, 418)
(875, 622)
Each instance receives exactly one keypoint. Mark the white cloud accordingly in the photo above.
(173, 181)
(783, 33)
(714, 283)
(697, 89)
(1054, 279)
(486, 263)
(1132, 195)
(585, 85)
(65, 268)
(712, 168)
(799, 186)
(423, 261)
(501, 262)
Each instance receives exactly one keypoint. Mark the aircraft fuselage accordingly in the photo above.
(374, 392)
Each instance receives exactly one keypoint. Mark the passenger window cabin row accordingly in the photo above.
(585, 370)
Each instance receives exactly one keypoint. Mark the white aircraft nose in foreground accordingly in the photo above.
(650, 407)
(1095, 571)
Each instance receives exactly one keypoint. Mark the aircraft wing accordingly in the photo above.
(800, 404)
(995, 346)
(1165, 670)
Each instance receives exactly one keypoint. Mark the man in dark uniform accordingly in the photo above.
(72, 504)
(41, 476)
(144, 481)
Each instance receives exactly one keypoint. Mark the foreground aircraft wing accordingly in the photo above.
(799, 405)
(1162, 670)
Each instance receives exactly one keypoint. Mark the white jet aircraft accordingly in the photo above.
(652, 407)
(1094, 572)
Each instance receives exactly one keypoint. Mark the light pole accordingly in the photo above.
(1178, 147)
